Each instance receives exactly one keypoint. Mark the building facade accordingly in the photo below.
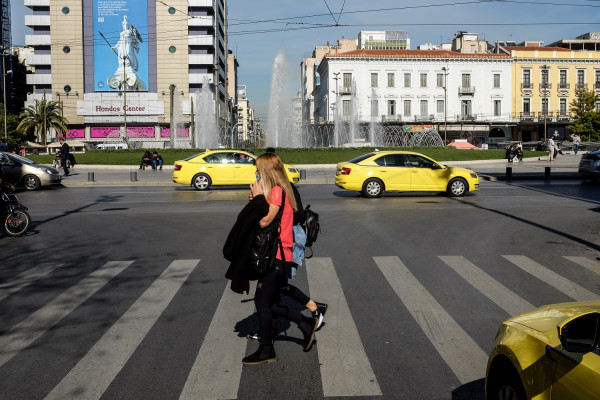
(128, 68)
(461, 95)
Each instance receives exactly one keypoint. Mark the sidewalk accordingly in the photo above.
(563, 167)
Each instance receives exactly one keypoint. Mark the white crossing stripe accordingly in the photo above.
(455, 346)
(345, 368)
(25, 278)
(544, 274)
(508, 300)
(217, 370)
(97, 369)
(585, 262)
(28, 330)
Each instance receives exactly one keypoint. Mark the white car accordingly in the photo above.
(27, 173)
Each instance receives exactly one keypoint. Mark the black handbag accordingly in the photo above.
(261, 259)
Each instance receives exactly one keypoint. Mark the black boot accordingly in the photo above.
(308, 327)
(265, 353)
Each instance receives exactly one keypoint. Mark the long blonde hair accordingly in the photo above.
(272, 173)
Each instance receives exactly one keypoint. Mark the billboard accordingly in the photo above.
(120, 45)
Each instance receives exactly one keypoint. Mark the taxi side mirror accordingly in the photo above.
(581, 334)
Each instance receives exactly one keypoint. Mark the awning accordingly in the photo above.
(34, 145)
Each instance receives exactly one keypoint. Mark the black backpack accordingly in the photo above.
(311, 227)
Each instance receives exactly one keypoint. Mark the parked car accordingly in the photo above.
(27, 173)
(403, 171)
(221, 167)
(549, 353)
(589, 165)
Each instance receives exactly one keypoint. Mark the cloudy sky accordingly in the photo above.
(260, 29)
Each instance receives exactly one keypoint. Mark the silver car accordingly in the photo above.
(23, 171)
(589, 166)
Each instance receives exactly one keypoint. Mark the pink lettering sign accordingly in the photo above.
(140, 132)
(76, 133)
(181, 132)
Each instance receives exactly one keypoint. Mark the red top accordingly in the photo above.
(287, 223)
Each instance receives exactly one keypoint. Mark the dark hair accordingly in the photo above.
(270, 150)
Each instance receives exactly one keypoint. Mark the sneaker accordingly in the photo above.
(320, 313)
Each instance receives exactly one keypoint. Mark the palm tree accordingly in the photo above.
(42, 116)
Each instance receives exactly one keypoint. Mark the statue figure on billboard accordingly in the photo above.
(127, 48)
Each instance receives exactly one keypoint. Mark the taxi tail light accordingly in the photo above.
(177, 167)
(345, 171)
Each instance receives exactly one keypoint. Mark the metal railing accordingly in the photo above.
(466, 90)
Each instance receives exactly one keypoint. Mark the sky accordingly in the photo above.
(260, 29)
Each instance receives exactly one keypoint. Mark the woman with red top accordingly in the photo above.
(271, 182)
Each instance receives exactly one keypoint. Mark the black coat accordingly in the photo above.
(239, 241)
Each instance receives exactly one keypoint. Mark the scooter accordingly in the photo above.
(15, 218)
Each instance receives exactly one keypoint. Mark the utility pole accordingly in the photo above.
(124, 97)
(336, 86)
(4, 73)
(545, 106)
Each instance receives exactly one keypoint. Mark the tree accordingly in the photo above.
(41, 117)
(586, 121)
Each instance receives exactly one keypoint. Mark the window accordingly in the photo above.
(497, 108)
(597, 80)
(424, 108)
(562, 74)
(374, 108)
(466, 80)
(391, 160)
(580, 77)
(347, 80)
(419, 162)
(374, 79)
(407, 80)
(346, 108)
(391, 107)
(391, 79)
(562, 107)
(423, 80)
(544, 106)
(407, 108)
(465, 107)
(496, 81)
(526, 78)
(526, 106)
(440, 106)
(545, 76)
(598, 106)
(440, 80)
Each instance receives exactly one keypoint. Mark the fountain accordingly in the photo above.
(205, 134)
(280, 127)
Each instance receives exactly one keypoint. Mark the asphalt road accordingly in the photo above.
(118, 292)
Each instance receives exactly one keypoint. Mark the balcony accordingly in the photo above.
(200, 3)
(37, 3)
(200, 77)
(545, 115)
(563, 116)
(391, 118)
(37, 40)
(201, 40)
(466, 90)
(545, 87)
(38, 59)
(37, 20)
(424, 118)
(564, 87)
(345, 90)
(526, 86)
(581, 86)
(466, 117)
(526, 116)
(202, 20)
(201, 59)
(39, 79)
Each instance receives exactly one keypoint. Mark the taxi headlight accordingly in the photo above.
(293, 170)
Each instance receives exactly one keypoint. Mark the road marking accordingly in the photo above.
(585, 262)
(25, 278)
(345, 367)
(28, 330)
(217, 370)
(508, 300)
(97, 369)
(553, 279)
(464, 357)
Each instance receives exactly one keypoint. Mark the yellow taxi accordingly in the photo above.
(403, 171)
(221, 167)
(550, 353)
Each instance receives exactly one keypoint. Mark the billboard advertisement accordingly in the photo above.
(120, 45)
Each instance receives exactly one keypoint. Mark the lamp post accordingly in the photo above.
(544, 86)
(445, 104)
(4, 73)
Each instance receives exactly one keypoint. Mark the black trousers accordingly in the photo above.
(63, 164)
(268, 302)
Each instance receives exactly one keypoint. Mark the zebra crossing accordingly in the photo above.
(344, 364)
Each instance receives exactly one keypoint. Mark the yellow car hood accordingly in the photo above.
(546, 318)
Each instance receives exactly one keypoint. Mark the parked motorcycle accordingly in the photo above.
(15, 218)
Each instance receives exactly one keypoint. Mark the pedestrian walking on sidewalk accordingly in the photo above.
(576, 142)
(551, 148)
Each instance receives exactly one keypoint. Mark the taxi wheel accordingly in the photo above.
(373, 187)
(508, 386)
(457, 187)
(31, 182)
(201, 182)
